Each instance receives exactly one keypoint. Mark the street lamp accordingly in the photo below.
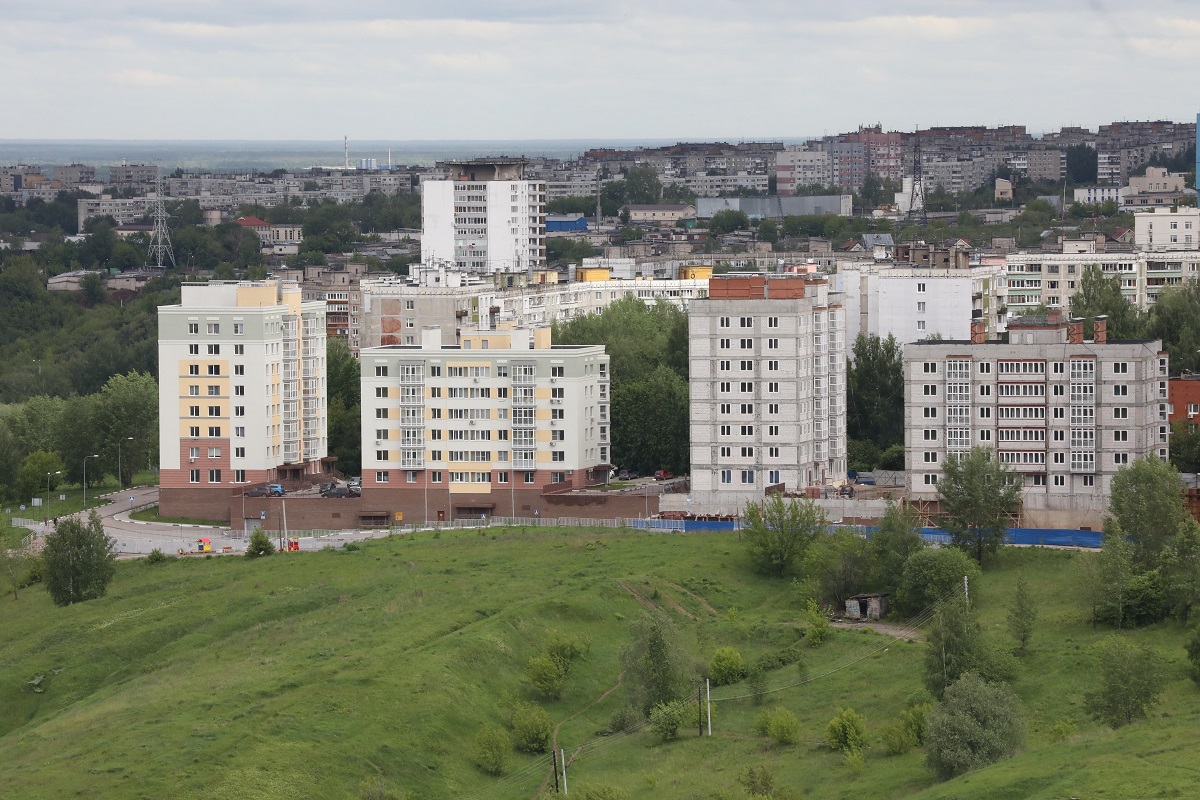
(46, 510)
(85, 458)
(120, 482)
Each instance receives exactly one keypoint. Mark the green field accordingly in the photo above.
(304, 675)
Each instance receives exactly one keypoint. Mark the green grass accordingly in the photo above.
(74, 501)
(151, 515)
(301, 675)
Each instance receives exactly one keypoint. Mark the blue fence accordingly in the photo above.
(1057, 537)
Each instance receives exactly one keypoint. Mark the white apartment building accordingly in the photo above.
(913, 303)
(1167, 228)
(242, 392)
(482, 428)
(1098, 194)
(487, 219)
(395, 310)
(1063, 413)
(124, 210)
(1053, 278)
(768, 388)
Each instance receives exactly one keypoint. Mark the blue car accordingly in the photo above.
(275, 490)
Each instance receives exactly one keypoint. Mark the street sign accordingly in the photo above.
(22, 506)
(262, 515)
(399, 516)
(131, 498)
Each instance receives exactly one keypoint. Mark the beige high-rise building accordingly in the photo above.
(242, 392)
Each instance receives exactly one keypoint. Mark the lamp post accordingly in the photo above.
(46, 510)
(243, 485)
(85, 458)
(120, 481)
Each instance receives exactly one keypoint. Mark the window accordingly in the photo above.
(381, 391)
(1059, 413)
(985, 436)
(193, 327)
(1121, 368)
(239, 411)
(985, 368)
(381, 372)
(772, 344)
(239, 452)
(239, 391)
(931, 457)
(1060, 480)
(773, 476)
(194, 432)
(929, 390)
(746, 322)
(724, 322)
(747, 387)
(1120, 436)
(747, 476)
(214, 349)
(724, 365)
(239, 369)
(725, 430)
(929, 412)
(193, 369)
(530, 477)
(773, 388)
(382, 477)
(1039, 480)
(193, 349)
(920, 288)
(239, 432)
(558, 413)
(214, 476)
(193, 411)
(558, 436)
(381, 413)
(214, 369)
(726, 476)
(920, 324)
(726, 451)
(773, 452)
(1060, 436)
(214, 432)
(1089, 480)
(193, 476)
(747, 366)
(930, 435)
(1120, 458)
(985, 390)
(929, 368)
(747, 430)
(239, 349)
(747, 452)
(557, 372)
(985, 413)
(214, 327)
(381, 455)
(1121, 390)
(501, 477)
(726, 408)
(772, 322)
(773, 408)
(724, 344)
(931, 480)
(194, 390)
(1120, 413)
(772, 430)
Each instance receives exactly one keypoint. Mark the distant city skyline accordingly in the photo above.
(532, 69)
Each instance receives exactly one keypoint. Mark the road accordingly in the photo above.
(133, 537)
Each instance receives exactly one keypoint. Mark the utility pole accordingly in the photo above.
(554, 759)
(708, 695)
(700, 710)
(967, 590)
(563, 758)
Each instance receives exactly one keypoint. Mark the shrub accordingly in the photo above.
(847, 731)
(665, 718)
(906, 732)
(156, 557)
(492, 747)
(623, 718)
(854, 760)
(260, 544)
(546, 675)
(1131, 679)
(603, 791)
(756, 681)
(35, 569)
(779, 724)
(564, 649)
(532, 728)
(1193, 651)
(727, 666)
(759, 781)
(976, 724)
(818, 629)
(79, 560)
(1062, 730)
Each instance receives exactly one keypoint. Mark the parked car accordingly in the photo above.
(663, 475)
(623, 475)
(355, 491)
(355, 481)
(275, 490)
(337, 491)
(257, 491)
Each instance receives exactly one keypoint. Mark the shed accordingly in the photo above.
(566, 222)
(868, 606)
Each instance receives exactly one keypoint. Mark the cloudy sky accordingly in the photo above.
(536, 69)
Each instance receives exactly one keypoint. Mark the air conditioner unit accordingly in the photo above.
(554, 380)
(476, 380)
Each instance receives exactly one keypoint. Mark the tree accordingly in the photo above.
(1101, 294)
(768, 231)
(1185, 446)
(1022, 613)
(38, 472)
(955, 647)
(726, 666)
(1131, 679)
(14, 562)
(1146, 501)
(977, 724)
(259, 544)
(896, 539)
(492, 748)
(778, 533)
(728, 221)
(978, 499)
(546, 676)
(653, 662)
(1193, 652)
(875, 391)
(930, 574)
(1181, 571)
(840, 565)
(1114, 569)
(126, 414)
(79, 561)
(1175, 318)
(1082, 164)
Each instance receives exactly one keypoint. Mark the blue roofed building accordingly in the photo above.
(565, 222)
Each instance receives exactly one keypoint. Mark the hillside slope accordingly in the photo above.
(304, 675)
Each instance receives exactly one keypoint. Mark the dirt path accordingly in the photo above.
(648, 603)
(554, 736)
(883, 628)
(697, 598)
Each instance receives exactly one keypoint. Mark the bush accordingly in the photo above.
(1131, 679)
(259, 545)
(847, 731)
(756, 681)
(665, 718)
(1062, 730)
(35, 571)
(156, 557)
(818, 629)
(79, 560)
(727, 666)
(1193, 651)
(906, 732)
(976, 724)
(564, 649)
(759, 781)
(855, 760)
(624, 718)
(532, 728)
(603, 791)
(932, 573)
(546, 676)
(779, 724)
(492, 747)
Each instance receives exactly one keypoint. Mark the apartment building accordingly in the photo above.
(1051, 279)
(486, 427)
(1063, 413)
(242, 392)
(796, 167)
(133, 175)
(914, 303)
(486, 219)
(1169, 228)
(768, 388)
(396, 310)
(124, 210)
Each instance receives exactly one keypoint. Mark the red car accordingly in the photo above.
(663, 475)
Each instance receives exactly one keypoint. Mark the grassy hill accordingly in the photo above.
(304, 675)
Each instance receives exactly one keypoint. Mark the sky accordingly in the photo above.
(535, 69)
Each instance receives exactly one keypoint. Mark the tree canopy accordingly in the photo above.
(978, 499)
(778, 533)
(79, 560)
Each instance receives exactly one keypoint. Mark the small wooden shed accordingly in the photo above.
(867, 606)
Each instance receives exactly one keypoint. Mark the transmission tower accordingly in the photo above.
(160, 240)
(916, 194)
